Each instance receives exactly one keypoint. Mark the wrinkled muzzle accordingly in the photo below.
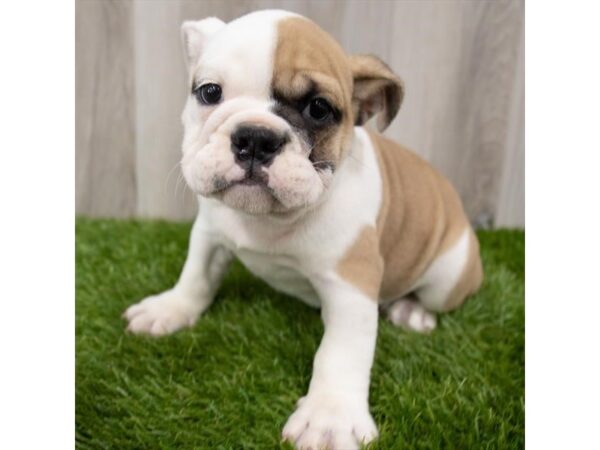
(250, 158)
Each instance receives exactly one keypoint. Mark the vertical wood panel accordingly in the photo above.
(483, 97)
(457, 58)
(510, 210)
(105, 116)
(160, 91)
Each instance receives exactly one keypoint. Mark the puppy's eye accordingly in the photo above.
(208, 94)
(318, 109)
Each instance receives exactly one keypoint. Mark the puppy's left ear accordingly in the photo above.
(195, 33)
(377, 90)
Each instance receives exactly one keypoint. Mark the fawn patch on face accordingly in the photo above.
(309, 64)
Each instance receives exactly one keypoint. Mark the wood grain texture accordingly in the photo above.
(105, 109)
(160, 95)
(463, 109)
(510, 208)
(458, 86)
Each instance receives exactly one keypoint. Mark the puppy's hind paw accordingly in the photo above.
(411, 315)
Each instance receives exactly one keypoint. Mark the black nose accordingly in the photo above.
(251, 143)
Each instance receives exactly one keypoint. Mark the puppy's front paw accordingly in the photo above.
(162, 314)
(322, 422)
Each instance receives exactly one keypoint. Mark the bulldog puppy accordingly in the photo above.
(320, 208)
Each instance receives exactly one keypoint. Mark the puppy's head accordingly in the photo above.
(272, 105)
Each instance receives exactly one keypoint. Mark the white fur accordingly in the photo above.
(241, 55)
(194, 35)
(436, 284)
(294, 181)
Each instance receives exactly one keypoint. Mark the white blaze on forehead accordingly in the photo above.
(240, 55)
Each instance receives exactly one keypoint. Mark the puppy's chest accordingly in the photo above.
(284, 259)
(288, 257)
(283, 273)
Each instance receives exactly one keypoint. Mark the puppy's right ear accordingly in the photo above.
(194, 34)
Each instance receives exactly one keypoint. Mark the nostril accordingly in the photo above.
(241, 143)
(271, 143)
(244, 154)
(277, 143)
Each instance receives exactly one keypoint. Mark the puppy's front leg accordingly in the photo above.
(335, 412)
(194, 292)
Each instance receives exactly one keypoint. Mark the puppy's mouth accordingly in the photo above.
(252, 177)
(250, 193)
(249, 181)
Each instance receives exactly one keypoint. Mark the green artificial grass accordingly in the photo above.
(231, 381)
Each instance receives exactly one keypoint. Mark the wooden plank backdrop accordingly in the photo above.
(462, 63)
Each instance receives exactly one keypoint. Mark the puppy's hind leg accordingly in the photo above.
(453, 276)
(444, 286)
(410, 314)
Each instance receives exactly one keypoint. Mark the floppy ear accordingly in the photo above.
(377, 90)
(194, 34)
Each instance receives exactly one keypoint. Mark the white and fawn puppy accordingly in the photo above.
(291, 184)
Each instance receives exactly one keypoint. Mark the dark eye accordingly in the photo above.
(208, 94)
(318, 109)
